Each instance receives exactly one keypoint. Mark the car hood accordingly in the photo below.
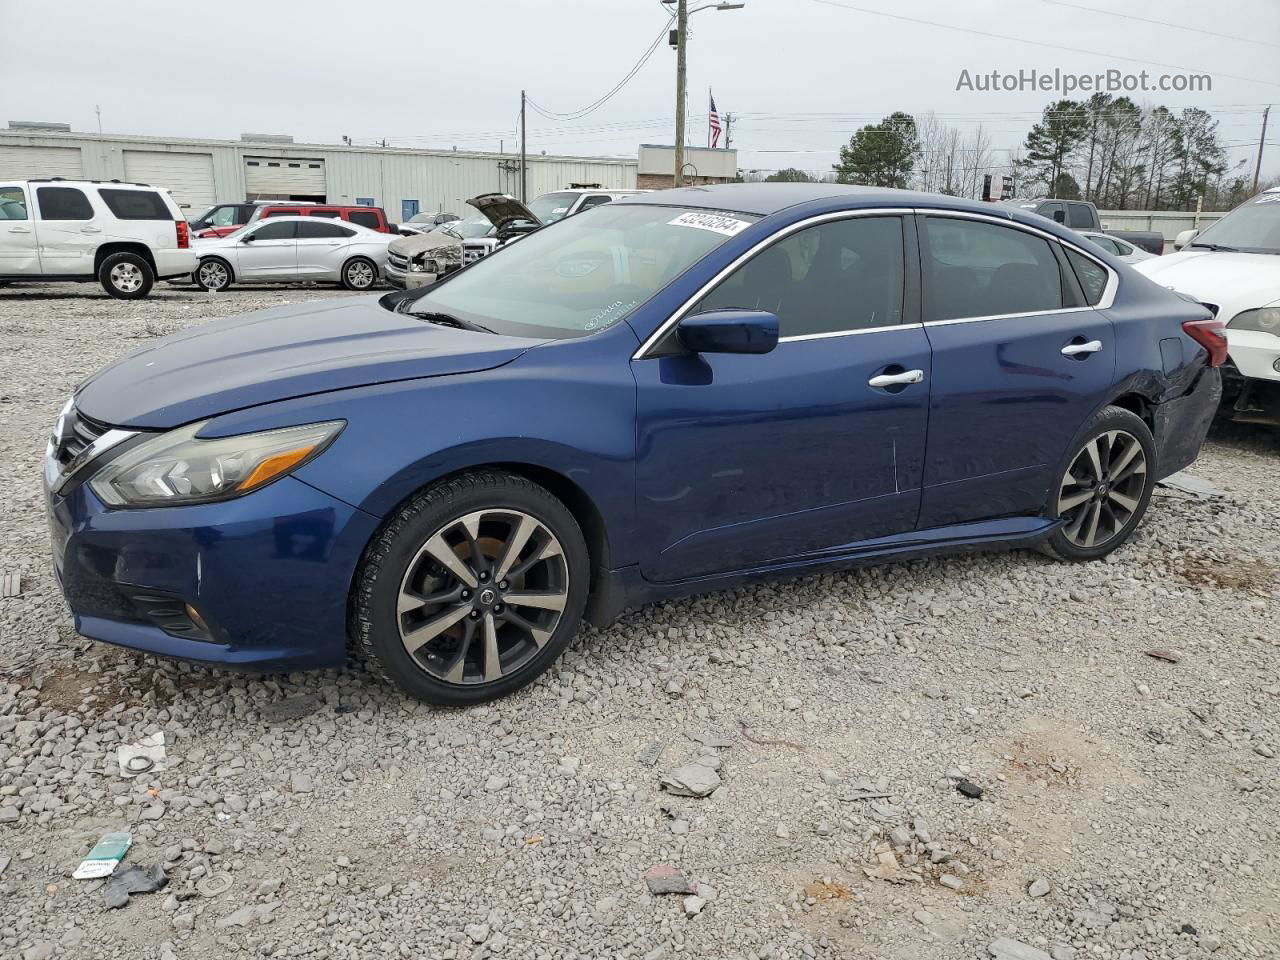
(1243, 280)
(281, 353)
(420, 243)
(502, 209)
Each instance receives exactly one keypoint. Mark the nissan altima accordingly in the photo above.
(672, 393)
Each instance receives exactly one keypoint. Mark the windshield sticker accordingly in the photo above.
(727, 226)
(608, 315)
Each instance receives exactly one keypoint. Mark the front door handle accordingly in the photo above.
(19, 229)
(1075, 349)
(896, 379)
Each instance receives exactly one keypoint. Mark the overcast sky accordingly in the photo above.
(802, 74)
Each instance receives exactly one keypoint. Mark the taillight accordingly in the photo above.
(184, 234)
(1210, 334)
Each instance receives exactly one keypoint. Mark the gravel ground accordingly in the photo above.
(1129, 805)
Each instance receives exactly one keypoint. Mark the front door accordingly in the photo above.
(272, 254)
(1019, 363)
(747, 460)
(19, 255)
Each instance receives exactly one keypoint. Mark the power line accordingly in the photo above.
(597, 104)
(1036, 43)
(1160, 23)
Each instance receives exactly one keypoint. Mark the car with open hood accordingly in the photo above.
(670, 394)
(1233, 266)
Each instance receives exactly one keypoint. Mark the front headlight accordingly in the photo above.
(1266, 320)
(177, 468)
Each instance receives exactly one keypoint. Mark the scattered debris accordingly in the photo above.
(253, 913)
(1039, 888)
(951, 882)
(970, 789)
(293, 708)
(132, 880)
(106, 854)
(1190, 483)
(691, 780)
(765, 741)
(214, 885)
(713, 740)
(4, 864)
(145, 756)
(1005, 949)
(663, 878)
(10, 584)
(1168, 656)
(649, 755)
(693, 905)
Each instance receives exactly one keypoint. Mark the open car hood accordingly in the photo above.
(503, 209)
(410, 247)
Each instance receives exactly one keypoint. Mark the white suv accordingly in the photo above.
(124, 235)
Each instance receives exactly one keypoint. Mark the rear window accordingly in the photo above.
(135, 204)
(365, 219)
(63, 203)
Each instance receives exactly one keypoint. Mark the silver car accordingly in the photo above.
(287, 249)
(1116, 247)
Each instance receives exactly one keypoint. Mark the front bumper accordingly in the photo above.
(1254, 353)
(269, 574)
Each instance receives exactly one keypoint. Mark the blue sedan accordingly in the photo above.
(673, 393)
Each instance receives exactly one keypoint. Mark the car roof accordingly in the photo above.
(110, 184)
(294, 218)
(764, 199)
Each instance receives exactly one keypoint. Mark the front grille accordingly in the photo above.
(73, 434)
(397, 261)
(472, 252)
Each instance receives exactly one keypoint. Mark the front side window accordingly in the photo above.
(321, 231)
(63, 203)
(223, 217)
(1053, 211)
(281, 230)
(13, 203)
(551, 207)
(333, 214)
(979, 269)
(830, 278)
(364, 219)
(583, 274)
(282, 212)
(135, 204)
(1079, 215)
(1092, 276)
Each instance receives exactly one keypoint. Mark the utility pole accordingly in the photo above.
(728, 127)
(1257, 171)
(524, 143)
(682, 35)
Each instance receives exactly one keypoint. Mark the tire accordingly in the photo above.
(213, 274)
(1103, 494)
(359, 273)
(432, 627)
(126, 276)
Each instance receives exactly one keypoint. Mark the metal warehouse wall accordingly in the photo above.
(389, 176)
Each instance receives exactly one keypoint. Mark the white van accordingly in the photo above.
(123, 235)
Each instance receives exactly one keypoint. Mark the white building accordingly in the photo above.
(200, 173)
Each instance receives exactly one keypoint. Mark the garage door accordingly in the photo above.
(271, 178)
(29, 163)
(188, 176)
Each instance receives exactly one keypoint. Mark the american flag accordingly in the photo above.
(713, 123)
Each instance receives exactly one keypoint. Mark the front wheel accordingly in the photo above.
(212, 275)
(359, 274)
(126, 276)
(471, 590)
(1106, 487)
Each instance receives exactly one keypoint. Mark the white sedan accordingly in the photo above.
(1118, 248)
(285, 249)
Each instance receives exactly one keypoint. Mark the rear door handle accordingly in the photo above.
(894, 379)
(90, 229)
(1075, 349)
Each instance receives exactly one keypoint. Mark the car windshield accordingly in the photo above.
(472, 229)
(1253, 227)
(583, 274)
(421, 218)
(551, 207)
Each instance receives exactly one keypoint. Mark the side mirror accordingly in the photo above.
(729, 331)
(1185, 237)
(248, 239)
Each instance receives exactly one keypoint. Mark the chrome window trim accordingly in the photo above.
(663, 328)
(1106, 301)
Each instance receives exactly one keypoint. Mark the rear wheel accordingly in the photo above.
(472, 590)
(359, 274)
(213, 274)
(126, 276)
(1106, 487)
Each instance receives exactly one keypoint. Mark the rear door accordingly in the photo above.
(1020, 361)
(271, 254)
(19, 255)
(69, 230)
(320, 247)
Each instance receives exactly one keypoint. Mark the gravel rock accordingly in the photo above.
(691, 780)
(1039, 888)
(1004, 948)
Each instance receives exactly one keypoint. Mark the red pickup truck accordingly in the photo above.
(227, 218)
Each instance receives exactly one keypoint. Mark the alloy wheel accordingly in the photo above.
(213, 275)
(360, 275)
(126, 277)
(1102, 490)
(482, 596)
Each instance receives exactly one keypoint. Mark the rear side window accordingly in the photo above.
(322, 231)
(593, 201)
(365, 219)
(13, 204)
(334, 214)
(135, 204)
(1078, 215)
(979, 269)
(276, 231)
(1092, 277)
(63, 203)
